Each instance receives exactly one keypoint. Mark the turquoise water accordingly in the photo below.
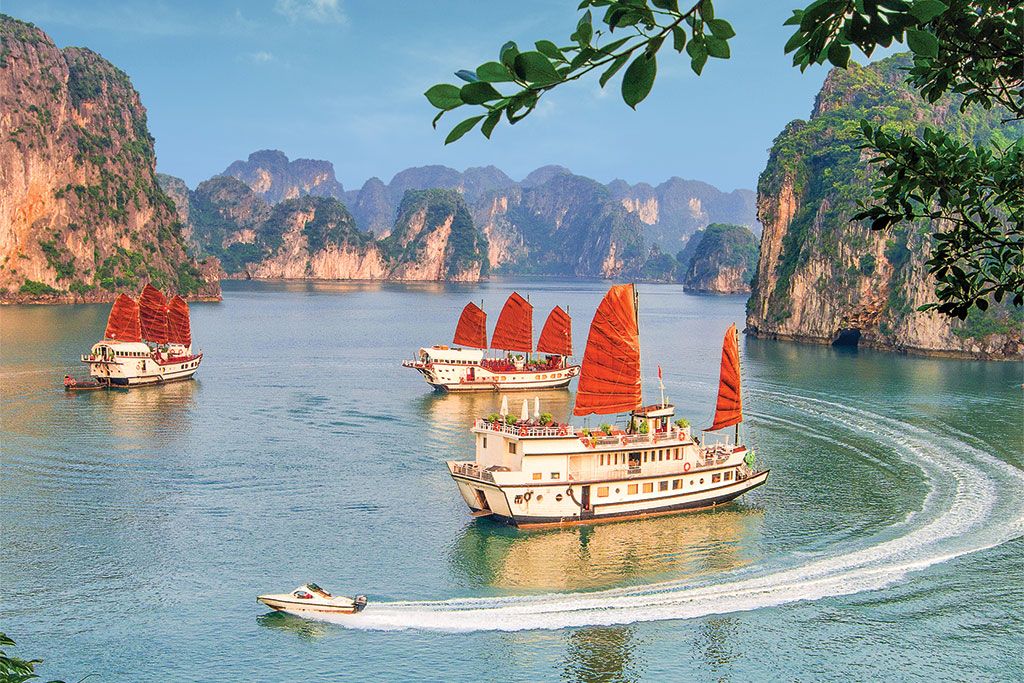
(138, 527)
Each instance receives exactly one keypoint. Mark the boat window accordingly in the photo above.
(512, 447)
(677, 484)
(537, 476)
(485, 442)
(702, 480)
(716, 478)
(540, 498)
(601, 459)
(649, 487)
(556, 475)
(602, 491)
(632, 489)
(645, 457)
(728, 476)
(663, 485)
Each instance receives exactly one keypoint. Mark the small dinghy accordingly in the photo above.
(310, 597)
(74, 384)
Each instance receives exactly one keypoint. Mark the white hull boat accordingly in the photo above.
(312, 598)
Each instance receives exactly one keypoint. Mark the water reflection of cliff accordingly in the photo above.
(604, 555)
(604, 655)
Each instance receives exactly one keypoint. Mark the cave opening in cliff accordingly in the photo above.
(847, 338)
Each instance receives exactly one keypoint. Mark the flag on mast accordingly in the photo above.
(662, 386)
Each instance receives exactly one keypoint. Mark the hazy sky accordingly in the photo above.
(343, 80)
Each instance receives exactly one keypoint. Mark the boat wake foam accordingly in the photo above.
(974, 502)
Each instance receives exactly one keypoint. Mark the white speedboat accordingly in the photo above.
(310, 597)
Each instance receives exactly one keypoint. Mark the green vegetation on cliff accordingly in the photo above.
(422, 212)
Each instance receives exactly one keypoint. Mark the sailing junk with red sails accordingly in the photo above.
(533, 473)
(465, 367)
(148, 341)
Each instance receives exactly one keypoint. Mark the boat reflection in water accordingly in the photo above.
(608, 555)
(145, 417)
(305, 629)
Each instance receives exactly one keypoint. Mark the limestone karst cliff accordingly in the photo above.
(82, 216)
(274, 178)
(719, 259)
(822, 278)
(312, 237)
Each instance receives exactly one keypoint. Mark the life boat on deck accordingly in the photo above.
(310, 597)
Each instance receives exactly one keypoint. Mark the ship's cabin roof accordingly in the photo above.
(121, 348)
(656, 410)
(451, 354)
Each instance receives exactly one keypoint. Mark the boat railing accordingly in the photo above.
(524, 429)
(472, 470)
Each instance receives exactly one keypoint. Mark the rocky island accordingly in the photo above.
(824, 279)
(82, 216)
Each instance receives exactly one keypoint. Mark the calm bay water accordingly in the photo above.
(138, 527)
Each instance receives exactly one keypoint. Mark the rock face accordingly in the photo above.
(675, 209)
(274, 178)
(314, 237)
(566, 225)
(82, 216)
(821, 278)
(719, 259)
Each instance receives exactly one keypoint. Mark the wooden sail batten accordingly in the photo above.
(178, 324)
(153, 315)
(610, 377)
(471, 330)
(729, 408)
(556, 335)
(123, 323)
(514, 329)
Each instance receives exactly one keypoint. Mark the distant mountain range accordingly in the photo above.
(553, 222)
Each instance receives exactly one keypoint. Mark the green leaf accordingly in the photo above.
(584, 29)
(717, 47)
(923, 43)
(614, 68)
(839, 54)
(444, 96)
(926, 10)
(707, 10)
(697, 63)
(494, 72)
(478, 93)
(490, 123)
(795, 41)
(468, 76)
(678, 38)
(639, 79)
(534, 67)
(550, 50)
(670, 5)
(508, 54)
(721, 28)
(462, 128)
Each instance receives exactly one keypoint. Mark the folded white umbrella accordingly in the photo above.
(504, 406)
(525, 415)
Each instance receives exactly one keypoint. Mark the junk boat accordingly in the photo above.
(148, 341)
(464, 368)
(528, 474)
(310, 597)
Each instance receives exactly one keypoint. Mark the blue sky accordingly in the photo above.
(342, 80)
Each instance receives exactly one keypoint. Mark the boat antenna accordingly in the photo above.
(661, 385)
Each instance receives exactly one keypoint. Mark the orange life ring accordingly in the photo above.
(522, 431)
(686, 467)
(623, 440)
(562, 431)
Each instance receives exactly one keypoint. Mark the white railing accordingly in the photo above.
(472, 470)
(524, 430)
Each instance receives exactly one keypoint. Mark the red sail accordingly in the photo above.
(178, 323)
(556, 337)
(610, 378)
(123, 323)
(153, 313)
(472, 328)
(729, 410)
(514, 330)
